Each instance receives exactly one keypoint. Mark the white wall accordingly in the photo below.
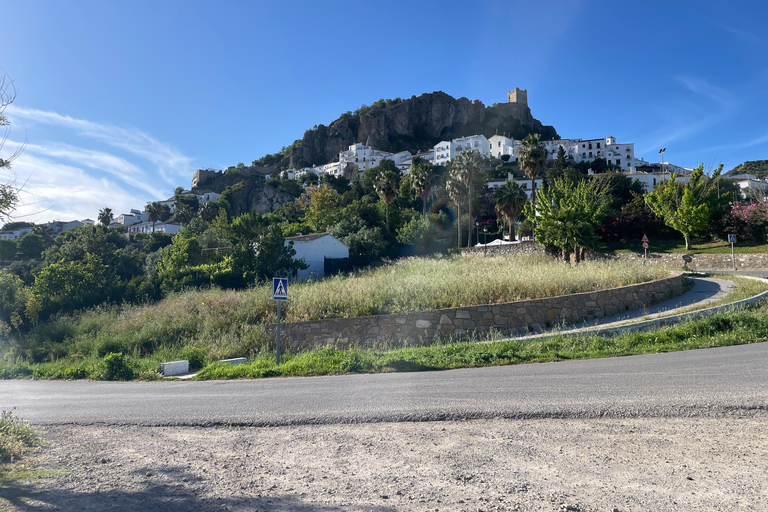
(314, 252)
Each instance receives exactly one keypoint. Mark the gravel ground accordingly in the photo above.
(686, 464)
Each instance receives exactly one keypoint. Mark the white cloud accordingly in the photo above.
(168, 161)
(55, 191)
(114, 165)
(106, 166)
(703, 88)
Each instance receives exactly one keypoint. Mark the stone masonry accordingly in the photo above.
(699, 261)
(425, 327)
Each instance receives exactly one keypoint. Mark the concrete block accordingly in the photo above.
(173, 368)
(237, 360)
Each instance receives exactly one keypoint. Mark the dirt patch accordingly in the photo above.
(694, 464)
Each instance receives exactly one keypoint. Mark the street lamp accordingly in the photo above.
(661, 152)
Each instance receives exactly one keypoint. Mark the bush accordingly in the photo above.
(749, 222)
(15, 436)
(196, 356)
(116, 367)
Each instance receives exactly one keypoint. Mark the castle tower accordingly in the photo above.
(518, 96)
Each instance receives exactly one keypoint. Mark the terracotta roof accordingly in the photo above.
(306, 238)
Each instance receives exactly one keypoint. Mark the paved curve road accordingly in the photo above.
(706, 382)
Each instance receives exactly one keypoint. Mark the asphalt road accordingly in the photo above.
(710, 382)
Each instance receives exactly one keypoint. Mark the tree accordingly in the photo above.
(510, 199)
(209, 211)
(7, 250)
(321, 206)
(570, 213)
(456, 191)
(9, 193)
(532, 158)
(105, 216)
(156, 211)
(386, 185)
(422, 176)
(688, 207)
(467, 167)
(30, 247)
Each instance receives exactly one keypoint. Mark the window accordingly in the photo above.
(476, 143)
(590, 154)
(499, 144)
(583, 145)
(458, 148)
(598, 145)
(590, 146)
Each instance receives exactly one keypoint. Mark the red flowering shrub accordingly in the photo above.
(749, 222)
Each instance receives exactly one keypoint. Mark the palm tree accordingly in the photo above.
(422, 176)
(466, 167)
(105, 216)
(454, 187)
(208, 211)
(154, 212)
(386, 185)
(532, 158)
(510, 199)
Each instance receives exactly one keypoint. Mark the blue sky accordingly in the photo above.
(120, 102)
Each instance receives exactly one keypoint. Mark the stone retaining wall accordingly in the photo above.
(699, 261)
(425, 327)
(526, 247)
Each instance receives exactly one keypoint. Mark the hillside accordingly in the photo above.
(757, 167)
(413, 124)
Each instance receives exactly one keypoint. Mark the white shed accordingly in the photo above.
(314, 249)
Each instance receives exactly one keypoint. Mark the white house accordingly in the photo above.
(525, 184)
(750, 184)
(16, 233)
(160, 227)
(314, 249)
(362, 156)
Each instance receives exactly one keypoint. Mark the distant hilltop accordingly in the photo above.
(407, 125)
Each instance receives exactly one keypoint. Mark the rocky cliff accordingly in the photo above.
(415, 125)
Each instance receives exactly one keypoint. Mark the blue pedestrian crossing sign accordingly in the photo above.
(731, 239)
(279, 288)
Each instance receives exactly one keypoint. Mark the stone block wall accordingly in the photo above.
(699, 261)
(526, 247)
(425, 327)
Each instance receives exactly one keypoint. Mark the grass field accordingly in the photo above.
(217, 324)
(127, 342)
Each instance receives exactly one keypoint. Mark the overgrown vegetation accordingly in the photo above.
(729, 328)
(219, 324)
(16, 436)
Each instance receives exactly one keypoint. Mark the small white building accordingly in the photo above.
(160, 227)
(525, 184)
(314, 249)
(16, 233)
(363, 156)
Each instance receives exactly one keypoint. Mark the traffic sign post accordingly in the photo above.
(732, 241)
(279, 293)
(645, 248)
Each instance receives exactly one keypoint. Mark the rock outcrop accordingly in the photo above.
(414, 125)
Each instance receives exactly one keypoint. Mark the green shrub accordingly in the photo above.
(116, 367)
(196, 356)
(15, 436)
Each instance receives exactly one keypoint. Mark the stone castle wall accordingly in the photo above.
(518, 96)
(425, 327)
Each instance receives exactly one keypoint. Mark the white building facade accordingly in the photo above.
(314, 249)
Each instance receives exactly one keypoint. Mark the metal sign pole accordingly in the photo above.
(278, 332)
(732, 240)
(279, 293)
